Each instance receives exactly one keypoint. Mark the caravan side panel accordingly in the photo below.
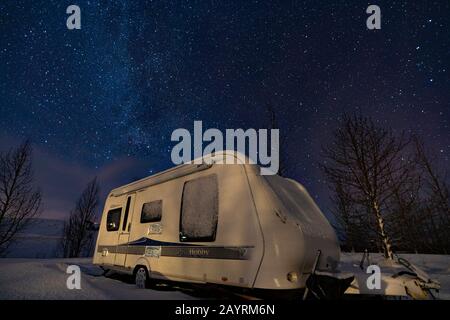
(232, 258)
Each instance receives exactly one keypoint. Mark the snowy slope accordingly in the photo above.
(46, 279)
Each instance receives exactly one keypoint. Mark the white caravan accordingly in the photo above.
(216, 223)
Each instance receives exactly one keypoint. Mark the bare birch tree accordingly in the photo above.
(436, 202)
(370, 163)
(77, 238)
(20, 201)
(405, 219)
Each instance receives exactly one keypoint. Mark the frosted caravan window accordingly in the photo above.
(113, 219)
(199, 210)
(151, 211)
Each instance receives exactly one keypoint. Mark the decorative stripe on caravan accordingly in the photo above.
(154, 248)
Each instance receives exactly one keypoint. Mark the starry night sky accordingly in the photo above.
(105, 99)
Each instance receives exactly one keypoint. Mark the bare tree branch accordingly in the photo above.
(19, 200)
(77, 238)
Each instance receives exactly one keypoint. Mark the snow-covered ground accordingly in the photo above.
(437, 267)
(46, 279)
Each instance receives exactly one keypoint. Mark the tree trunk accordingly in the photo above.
(385, 241)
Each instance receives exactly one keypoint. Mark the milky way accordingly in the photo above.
(137, 70)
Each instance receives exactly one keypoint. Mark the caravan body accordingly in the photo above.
(216, 223)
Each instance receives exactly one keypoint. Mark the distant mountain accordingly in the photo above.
(40, 239)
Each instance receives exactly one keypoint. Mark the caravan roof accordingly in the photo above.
(196, 165)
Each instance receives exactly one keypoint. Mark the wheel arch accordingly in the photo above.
(142, 262)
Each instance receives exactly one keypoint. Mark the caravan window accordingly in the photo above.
(151, 211)
(125, 217)
(199, 209)
(113, 219)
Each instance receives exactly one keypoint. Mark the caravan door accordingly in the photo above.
(124, 231)
(107, 241)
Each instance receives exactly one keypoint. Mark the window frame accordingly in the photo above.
(160, 215)
(107, 218)
(211, 238)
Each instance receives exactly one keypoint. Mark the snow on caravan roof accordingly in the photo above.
(181, 170)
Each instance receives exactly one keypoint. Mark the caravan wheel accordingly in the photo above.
(141, 278)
